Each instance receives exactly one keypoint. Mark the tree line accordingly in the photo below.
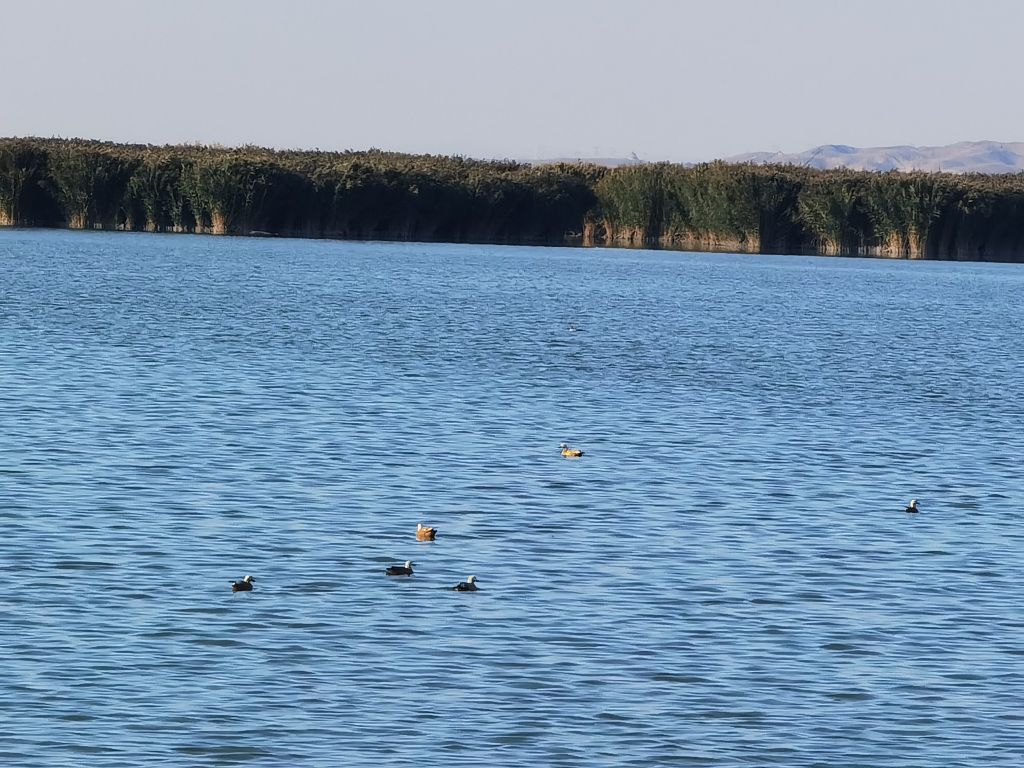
(387, 195)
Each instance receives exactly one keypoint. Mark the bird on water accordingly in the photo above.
(569, 453)
(469, 585)
(245, 585)
(912, 507)
(423, 533)
(400, 570)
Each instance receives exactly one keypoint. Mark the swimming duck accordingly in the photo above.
(400, 570)
(245, 585)
(425, 534)
(570, 453)
(912, 507)
(469, 585)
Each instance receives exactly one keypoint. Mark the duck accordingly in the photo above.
(570, 453)
(423, 533)
(469, 585)
(400, 570)
(912, 507)
(245, 585)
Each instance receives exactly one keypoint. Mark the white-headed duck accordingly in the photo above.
(400, 570)
(245, 585)
(912, 507)
(469, 585)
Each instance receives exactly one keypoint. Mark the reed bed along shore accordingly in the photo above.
(373, 194)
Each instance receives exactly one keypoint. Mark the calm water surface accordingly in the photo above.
(726, 578)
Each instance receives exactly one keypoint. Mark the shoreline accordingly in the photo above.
(576, 242)
(375, 195)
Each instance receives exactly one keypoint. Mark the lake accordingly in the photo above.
(726, 577)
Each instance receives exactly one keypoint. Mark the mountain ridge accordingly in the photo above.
(990, 157)
(987, 157)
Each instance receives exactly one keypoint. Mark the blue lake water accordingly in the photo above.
(726, 578)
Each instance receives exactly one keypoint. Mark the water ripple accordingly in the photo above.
(726, 578)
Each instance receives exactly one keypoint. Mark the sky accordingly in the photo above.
(680, 80)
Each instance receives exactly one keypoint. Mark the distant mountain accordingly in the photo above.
(607, 162)
(965, 157)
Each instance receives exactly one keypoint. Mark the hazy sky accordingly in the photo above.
(666, 79)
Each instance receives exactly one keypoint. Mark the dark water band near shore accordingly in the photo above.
(376, 195)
